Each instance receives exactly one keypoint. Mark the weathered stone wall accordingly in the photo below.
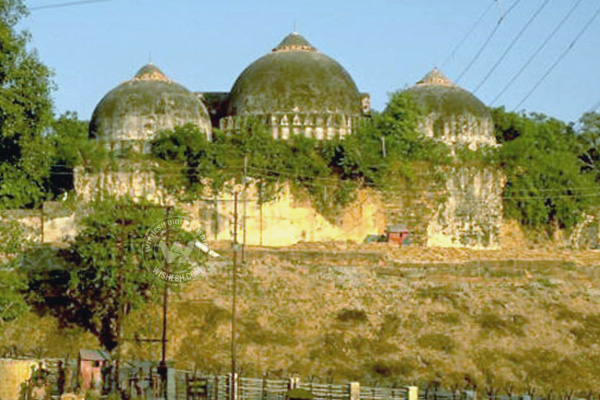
(286, 220)
(134, 181)
(471, 214)
(465, 211)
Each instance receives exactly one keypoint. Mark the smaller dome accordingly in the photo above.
(146, 104)
(452, 113)
(435, 92)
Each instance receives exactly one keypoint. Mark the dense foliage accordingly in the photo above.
(71, 148)
(549, 182)
(101, 276)
(25, 114)
(380, 152)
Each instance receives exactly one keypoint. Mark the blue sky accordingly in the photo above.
(384, 44)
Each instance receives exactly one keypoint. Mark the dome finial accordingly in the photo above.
(294, 42)
(150, 72)
(435, 77)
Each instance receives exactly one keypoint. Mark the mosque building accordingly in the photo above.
(297, 90)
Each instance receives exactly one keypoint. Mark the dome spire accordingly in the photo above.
(435, 77)
(294, 42)
(150, 72)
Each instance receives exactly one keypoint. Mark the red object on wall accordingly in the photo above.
(398, 234)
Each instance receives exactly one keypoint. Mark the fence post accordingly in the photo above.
(187, 386)
(413, 393)
(216, 387)
(293, 382)
(354, 391)
(232, 386)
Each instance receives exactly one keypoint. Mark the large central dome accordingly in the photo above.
(294, 78)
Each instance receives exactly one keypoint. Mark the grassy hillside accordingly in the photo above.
(382, 314)
(503, 320)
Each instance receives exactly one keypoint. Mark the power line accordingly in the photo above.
(487, 41)
(537, 51)
(561, 57)
(595, 107)
(471, 30)
(515, 40)
(67, 4)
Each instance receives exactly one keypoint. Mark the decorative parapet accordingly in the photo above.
(320, 126)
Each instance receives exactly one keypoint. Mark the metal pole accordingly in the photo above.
(260, 200)
(119, 306)
(42, 221)
(234, 299)
(244, 205)
(163, 360)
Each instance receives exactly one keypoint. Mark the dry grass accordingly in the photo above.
(383, 314)
(388, 314)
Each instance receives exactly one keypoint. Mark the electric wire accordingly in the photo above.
(67, 4)
(467, 35)
(537, 52)
(333, 183)
(511, 45)
(561, 57)
(487, 41)
(595, 107)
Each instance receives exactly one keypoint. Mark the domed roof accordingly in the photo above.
(436, 93)
(146, 104)
(452, 114)
(294, 77)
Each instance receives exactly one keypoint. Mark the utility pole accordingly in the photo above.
(42, 222)
(260, 210)
(234, 296)
(244, 205)
(119, 305)
(162, 368)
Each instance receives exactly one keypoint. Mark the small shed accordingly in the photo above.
(398, 234)
(89, 366)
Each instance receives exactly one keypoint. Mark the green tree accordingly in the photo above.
(589, 139)
(547, 185)
(386, 149)
(101, 277)
(68, 136)
(25, 114)
(12, 301)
